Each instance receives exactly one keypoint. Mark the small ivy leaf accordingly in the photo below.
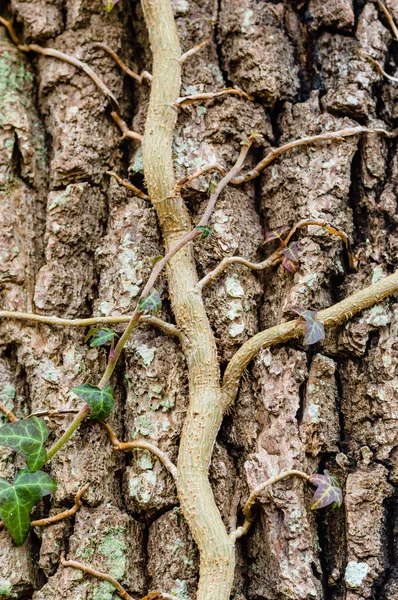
(150, 304)
(101, 402)
(290, 258)
(103, 336)
(27, 438)
(276, 234)
(213, 185)
(327, 492)
(109, 4)
(291, 252)
(205, 231)
(17, 501)
(314, 330)
(289, 265)
(90, 334)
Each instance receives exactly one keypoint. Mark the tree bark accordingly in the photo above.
(74, 243)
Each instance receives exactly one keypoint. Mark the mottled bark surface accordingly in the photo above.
(73, 243)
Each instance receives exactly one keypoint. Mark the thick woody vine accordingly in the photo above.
(209, 397)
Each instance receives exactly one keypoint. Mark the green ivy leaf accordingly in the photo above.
(27, 437)
(17, 501)
(328, 491)
(101, 337)
(101, 402)
(150, 304)
(205, 231)
(314, 330)
(90, 334)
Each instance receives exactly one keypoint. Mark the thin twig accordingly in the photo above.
(330, 135)
(159, 596)
(233, 513)
(332, 229)
(11, 31)
(379, 67)
(144, 75)
(197, 173)
(243, 529)
(60, 516)
(128, 185)
(76, 63)
(65, 514)
(141, 444)
(127, 133)
(269, 262)
(334, 315)
(53, 413)
(389, 18)
(194, 50)
(8, 412)
(65, 58)
(235, 91)
(76, 565)
(190, 236)
(276, 257)
(168, 328)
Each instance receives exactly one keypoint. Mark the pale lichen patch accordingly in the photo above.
(355, 573)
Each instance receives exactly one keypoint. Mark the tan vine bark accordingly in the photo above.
(204, 415)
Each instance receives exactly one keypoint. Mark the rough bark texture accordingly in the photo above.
(73, 243)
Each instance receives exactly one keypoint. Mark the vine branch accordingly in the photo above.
(81, 415)
(168, 328)
(334, 315)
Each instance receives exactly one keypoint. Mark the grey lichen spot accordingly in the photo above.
(181, 589)
(51, 376)
(236, 309)
(147, 354)
(234, 287)
(355, 573)
(313, 413)
(377, 274)
(377, 316)
(104, 308)
(129, 269)
(236, 329)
